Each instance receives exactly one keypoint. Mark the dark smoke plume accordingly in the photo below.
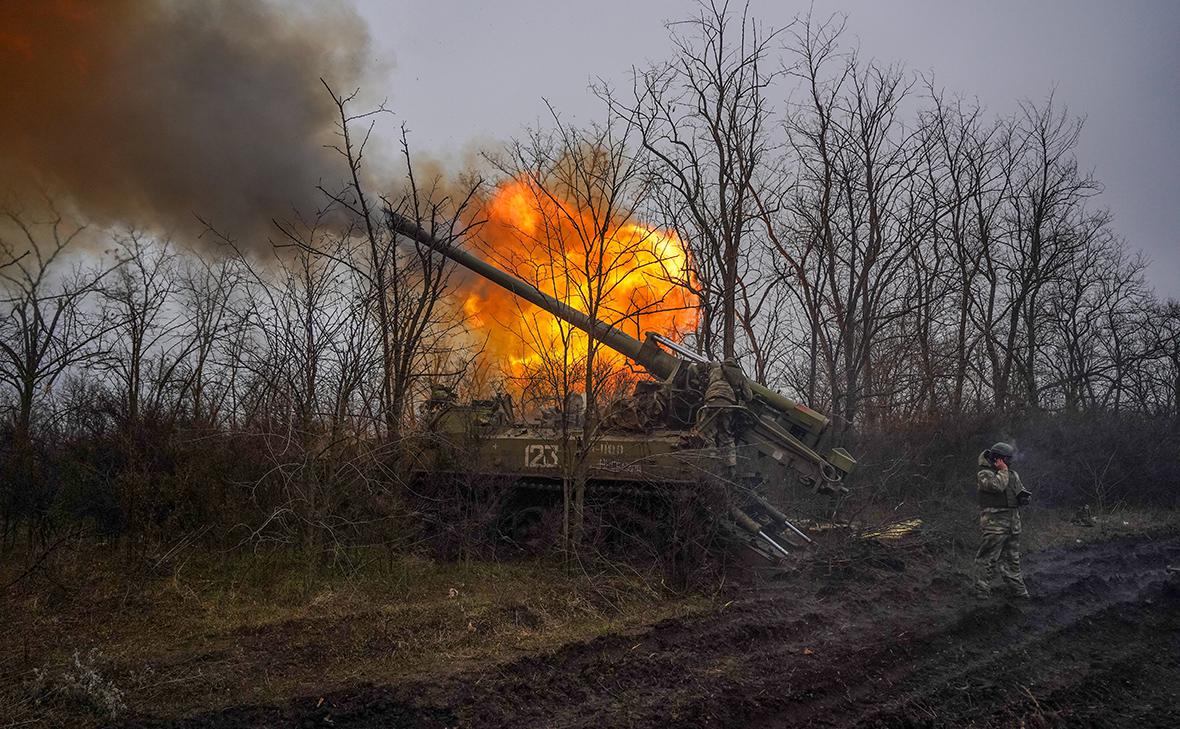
(153, 111)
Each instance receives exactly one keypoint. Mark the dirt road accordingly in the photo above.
(898, 645)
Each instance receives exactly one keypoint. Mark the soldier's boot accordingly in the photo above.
(981, 586)
(1016, 590)
(1013, 581)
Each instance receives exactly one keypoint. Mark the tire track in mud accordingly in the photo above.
(970, 659)
(1098, 646)
(1057, 678)
(1116, 636)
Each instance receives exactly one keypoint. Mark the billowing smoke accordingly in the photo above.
(154, 111)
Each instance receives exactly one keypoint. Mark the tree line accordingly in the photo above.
(883, 248)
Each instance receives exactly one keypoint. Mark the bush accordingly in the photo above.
(80, 683)
(1066, 459)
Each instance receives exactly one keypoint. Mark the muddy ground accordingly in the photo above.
(888, 639)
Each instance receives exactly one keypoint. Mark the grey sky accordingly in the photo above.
(471, 73)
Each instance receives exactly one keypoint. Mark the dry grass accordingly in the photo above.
(216, 630)
(85, 633)
(1049, 528)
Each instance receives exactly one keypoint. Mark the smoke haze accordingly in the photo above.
(152, 112)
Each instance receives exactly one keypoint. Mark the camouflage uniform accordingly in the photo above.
(999, 520)
(721, 396)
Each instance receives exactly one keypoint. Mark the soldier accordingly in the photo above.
(1083, 517)
(726, 388)
(1001, 494)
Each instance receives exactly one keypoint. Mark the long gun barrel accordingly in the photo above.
(647, 354)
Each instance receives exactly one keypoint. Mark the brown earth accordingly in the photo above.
(886, 639)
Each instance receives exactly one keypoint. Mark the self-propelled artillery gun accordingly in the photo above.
(694, 423)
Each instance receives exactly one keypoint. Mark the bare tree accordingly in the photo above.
(139, 297)
(963, 178)
(585, 187)
(312, 345)
(207, 292)
(1030, 223)
(1162, 363)
(45, 325)
(406, 281)
(848, 230)
(703, 118)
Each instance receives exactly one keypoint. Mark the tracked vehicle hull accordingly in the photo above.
(695, 423)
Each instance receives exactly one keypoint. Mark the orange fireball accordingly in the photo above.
(624, 273)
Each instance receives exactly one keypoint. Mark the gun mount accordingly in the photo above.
(675, 429)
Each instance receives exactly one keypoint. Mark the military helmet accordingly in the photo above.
(1001, 450)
